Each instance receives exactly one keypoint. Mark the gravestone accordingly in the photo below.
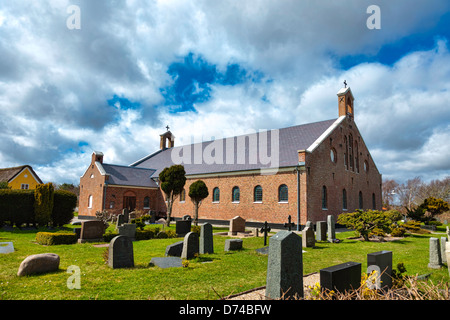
(120, 220)
(190, 245)
(321, 231)
(39, 263)
(443, 245)
(186, 217)
(341, 277)
(435, 254)
(285, 266)
(308, 239)
(128, 230)
(166, 262)
(121, 253)
(91, 231)
(182, 227)
(174, 249)
(265, 229)
(237, 224)
(331, 232)
(289, 224)
(233, 244)
(382, 259)
(126, 215)
(447, 254)
(206, 239)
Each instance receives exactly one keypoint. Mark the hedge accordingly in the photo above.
(17, 207)
(54, 238)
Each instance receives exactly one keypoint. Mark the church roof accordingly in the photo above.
(290, 140)
(129, 176)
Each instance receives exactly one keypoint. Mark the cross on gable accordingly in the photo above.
(167, 127)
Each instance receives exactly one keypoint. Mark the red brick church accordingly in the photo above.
(307, 171)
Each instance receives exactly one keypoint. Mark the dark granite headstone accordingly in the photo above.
(321, 231)
(233, 244)
(285, 266)
(92, 231)
(174, 249)
(121, 253)
(182, 227)
(383, 259)
(190, 245)
(341, 277)
(206, 239)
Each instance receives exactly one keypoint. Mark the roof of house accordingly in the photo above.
(129, 176)
(7, 174)
(288, 141)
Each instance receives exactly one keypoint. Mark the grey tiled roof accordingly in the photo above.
(129, 176)
(290, 140)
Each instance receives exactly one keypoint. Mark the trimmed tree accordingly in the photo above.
(43, 203)
(172, 181)
(197, 192)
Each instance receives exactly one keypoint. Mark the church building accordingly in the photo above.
(307, 171)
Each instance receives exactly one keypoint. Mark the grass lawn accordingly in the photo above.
(206, 277)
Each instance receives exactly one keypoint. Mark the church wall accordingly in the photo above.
(268, 210)
(91, 184)
(321, 171)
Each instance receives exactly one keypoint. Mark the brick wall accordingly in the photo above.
(321, 171)
(91, 184)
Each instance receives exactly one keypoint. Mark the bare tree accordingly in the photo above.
(388, 190)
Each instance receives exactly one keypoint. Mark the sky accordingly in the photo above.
(78, 76)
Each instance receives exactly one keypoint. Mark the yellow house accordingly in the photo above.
(22, 177)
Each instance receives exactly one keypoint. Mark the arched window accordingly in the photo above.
(324, 198)
(236, 194)
(216, 194)
(90, 202)
(283, 193)
(183, 195)
(146, 203)
(344, 199)
(361, 204)
(258, 194)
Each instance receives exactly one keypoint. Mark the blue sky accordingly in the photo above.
(223, 68)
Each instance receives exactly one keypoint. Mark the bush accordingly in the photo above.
(145, 234)
(366, 222)
(64, 202)
(43, 203)
(398, 232)
(16, 206)
(54, 238)
(107, 237)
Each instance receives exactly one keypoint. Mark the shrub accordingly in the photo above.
(196, 229)
(366, 222)
(55, 238)
(107, 237)
(64, 202)
(145, 234)
(16, 206)
(398, 232)
(43, 203)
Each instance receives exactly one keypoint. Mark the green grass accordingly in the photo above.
(206, 277)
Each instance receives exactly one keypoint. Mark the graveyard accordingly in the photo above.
(215, 274)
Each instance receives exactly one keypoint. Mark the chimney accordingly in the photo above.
(97, 156)
(345, 102)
